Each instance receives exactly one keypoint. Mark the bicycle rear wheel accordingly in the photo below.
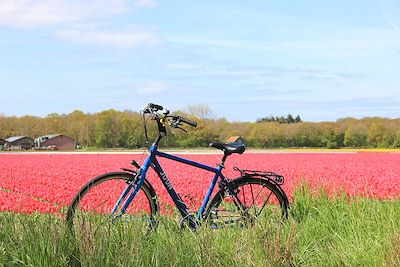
(89, 216)
(256, 199)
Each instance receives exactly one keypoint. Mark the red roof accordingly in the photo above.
(233, 139)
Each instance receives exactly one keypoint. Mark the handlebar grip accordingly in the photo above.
(191, 123)
(155, 106)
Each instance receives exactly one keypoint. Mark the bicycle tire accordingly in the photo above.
(268, 203)
(90, 209)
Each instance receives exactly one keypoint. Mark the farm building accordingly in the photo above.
(3, 144)
(19, 142)
(55, 141)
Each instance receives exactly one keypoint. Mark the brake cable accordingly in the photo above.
(145, 126)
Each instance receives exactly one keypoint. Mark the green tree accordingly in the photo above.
(375, 135)
(267, 134)
(107, 129)
(112, 128)
(289, 118)
(356, 135)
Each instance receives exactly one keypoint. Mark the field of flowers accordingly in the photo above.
(48, 182)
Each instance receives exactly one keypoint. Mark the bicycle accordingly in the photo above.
(128, 196)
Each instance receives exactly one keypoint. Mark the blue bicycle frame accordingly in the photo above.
(151, 160)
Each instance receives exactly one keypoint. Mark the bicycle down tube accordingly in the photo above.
(179, 203)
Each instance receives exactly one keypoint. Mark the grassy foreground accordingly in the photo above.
(319, 232)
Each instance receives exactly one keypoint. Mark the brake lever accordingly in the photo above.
(177, 127)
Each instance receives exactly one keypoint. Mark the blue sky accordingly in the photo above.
(244, 59)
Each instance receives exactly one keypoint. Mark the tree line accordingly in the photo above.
(124, 129)
(281, 119)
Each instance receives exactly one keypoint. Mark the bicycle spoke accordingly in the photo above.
(101, 204)
(264, 203)
(252, 196)
(258, 194)
(244, 197)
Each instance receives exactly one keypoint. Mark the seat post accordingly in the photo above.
(222, 164)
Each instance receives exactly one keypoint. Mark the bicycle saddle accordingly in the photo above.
(229, 148)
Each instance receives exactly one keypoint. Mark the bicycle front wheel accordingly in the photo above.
(254, 199)
(89, 215)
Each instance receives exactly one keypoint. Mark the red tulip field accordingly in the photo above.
(47, 182)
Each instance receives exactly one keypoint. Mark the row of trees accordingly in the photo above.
(111, 128)
(289, 119)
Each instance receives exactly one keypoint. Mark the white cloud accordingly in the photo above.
(38, 13)
(30, 14)
(390, 10)
(149, 88)
(182, 66)
(145, 3)
(352, 42)
(127, 39)
(65, 15)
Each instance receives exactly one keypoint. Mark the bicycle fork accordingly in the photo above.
(135, 184)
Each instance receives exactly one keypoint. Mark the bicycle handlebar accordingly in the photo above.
(189, 122)
(153, 108)
(163, 119)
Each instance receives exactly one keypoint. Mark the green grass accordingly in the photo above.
(319, 232)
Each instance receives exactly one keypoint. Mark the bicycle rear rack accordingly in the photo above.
(271, 176)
